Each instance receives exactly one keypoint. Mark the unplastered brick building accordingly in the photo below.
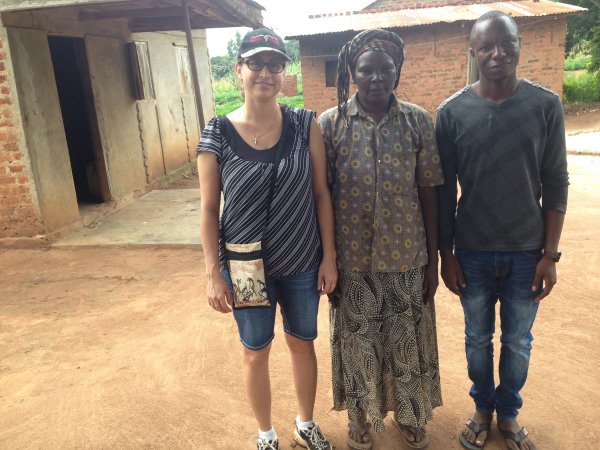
(436, 34)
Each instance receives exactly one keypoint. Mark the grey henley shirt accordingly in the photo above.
(510, 161)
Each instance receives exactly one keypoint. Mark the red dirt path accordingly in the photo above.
(117, 348)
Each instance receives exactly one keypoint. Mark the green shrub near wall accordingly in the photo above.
(581, 87)
(579, 62)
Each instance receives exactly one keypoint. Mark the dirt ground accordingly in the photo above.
(116, 348)
(577, 122)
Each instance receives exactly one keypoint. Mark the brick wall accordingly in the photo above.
(392, 5)
(18, 216)
(543, 52)
(436, 61)
(290, 85)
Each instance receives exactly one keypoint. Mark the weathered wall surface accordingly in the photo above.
(43, 127)
(168, 101)
(19, 207)
(117, 114)
(436, 61)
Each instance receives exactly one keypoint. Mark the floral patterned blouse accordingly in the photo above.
(374, 170)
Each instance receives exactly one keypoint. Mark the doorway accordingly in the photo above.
(71, 71)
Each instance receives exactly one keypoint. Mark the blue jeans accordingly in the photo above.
(298, 300)
(508, 277)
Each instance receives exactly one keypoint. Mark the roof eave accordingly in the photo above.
(416, 22)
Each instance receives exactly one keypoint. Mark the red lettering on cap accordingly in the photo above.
(264, 37)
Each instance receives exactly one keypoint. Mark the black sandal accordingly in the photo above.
(476, 428)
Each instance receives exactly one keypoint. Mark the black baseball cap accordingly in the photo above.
(261, 40)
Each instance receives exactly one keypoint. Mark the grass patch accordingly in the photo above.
(296, 101)
(581, 87)
(228, 106)
(578, 62)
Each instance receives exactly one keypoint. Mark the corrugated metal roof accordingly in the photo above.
(356, 21)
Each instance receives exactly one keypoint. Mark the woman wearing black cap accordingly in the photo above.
(269, 162)
(383, 167)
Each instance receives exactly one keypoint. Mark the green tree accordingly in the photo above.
(221, 66)
(233, 45)
(583, 31)
(292, 48)
(595, 62)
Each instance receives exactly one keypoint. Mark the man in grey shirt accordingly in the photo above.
(503, 139)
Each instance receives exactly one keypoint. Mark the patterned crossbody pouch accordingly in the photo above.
(247, 271)
(246, 262)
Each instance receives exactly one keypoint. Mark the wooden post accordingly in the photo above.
(192, 58)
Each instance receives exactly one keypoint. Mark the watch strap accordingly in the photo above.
(554, 256)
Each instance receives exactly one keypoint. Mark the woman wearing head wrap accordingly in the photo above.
(383, 167)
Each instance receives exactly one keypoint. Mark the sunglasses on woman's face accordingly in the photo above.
(257, 65)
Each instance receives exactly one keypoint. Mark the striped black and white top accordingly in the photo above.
(292, 239)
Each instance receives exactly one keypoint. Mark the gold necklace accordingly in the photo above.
(257, 136)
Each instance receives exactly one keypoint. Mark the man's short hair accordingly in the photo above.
(491, 15)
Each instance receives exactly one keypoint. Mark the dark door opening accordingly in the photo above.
(76, 103)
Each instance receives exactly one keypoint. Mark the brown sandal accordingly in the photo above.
(412, 444)
(362, 432)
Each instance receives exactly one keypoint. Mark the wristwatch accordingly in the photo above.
(554, 256)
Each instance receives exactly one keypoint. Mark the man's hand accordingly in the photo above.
(452, 273)
(545, 272)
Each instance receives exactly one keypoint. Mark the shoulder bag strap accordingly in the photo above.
(278, 156)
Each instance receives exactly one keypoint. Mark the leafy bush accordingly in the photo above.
(579, 62)
(594, 65)
(221, 66)
(582, 87)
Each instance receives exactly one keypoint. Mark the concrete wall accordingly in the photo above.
(117, 114)
(141, 140)
(19, 207)
(43, 127)
(175, 111)
(436, 61)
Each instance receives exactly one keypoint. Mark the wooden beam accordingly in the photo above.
(192, 57)
(16, 5)
(242, 12)
(130, 14)
(172, 23)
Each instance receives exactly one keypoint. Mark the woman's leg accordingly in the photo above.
(299, 302)
(304, 369)
(255, 326)
(258, 385)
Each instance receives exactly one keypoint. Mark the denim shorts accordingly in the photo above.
(298, 300)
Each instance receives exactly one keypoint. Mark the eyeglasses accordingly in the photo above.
(257, 65)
